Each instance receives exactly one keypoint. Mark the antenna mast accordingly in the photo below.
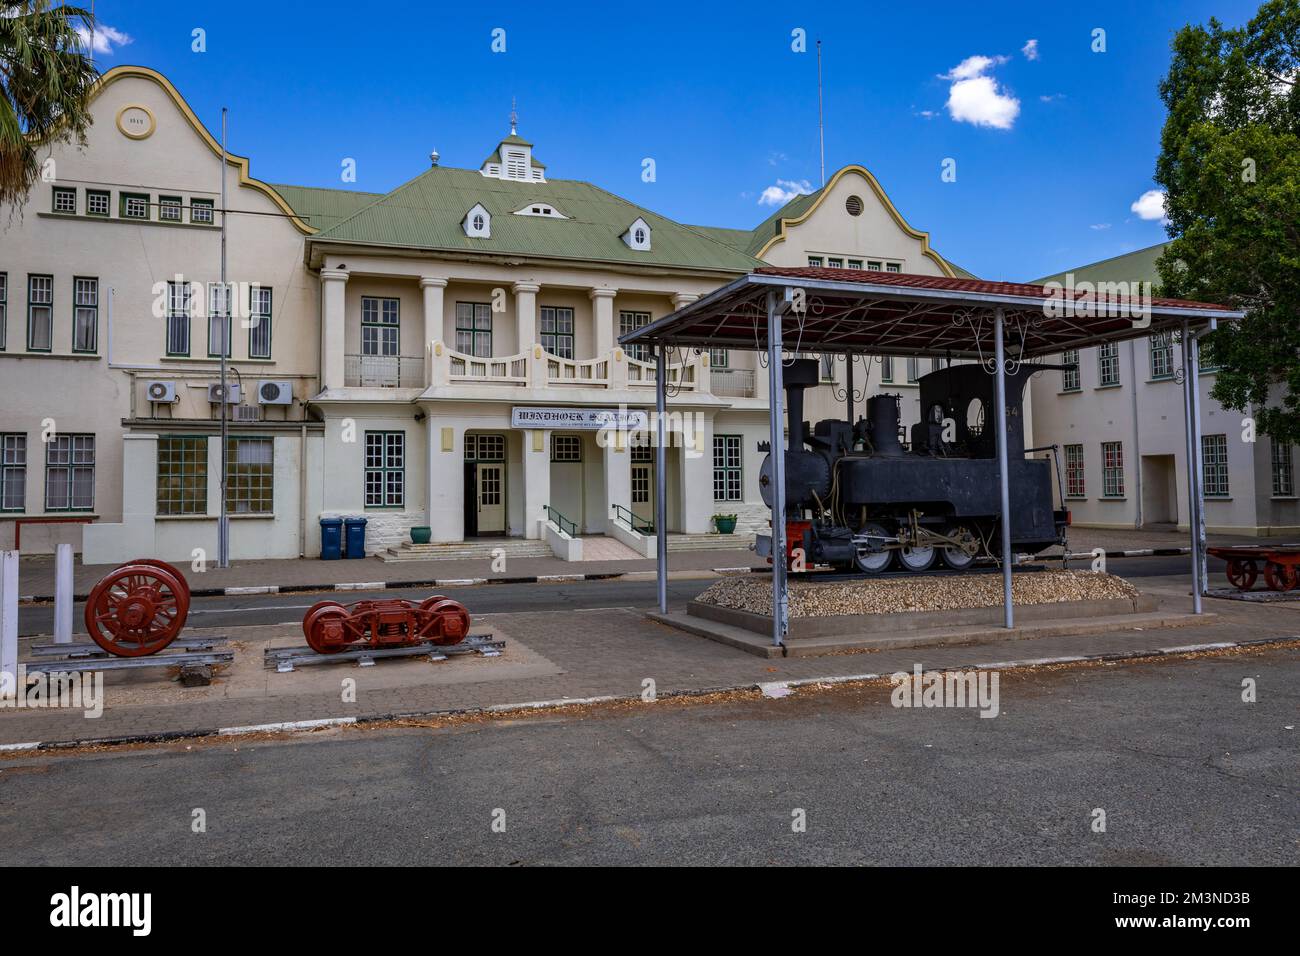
(821, 123)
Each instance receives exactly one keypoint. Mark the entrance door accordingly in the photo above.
(643, 490)
(1159, 490)
(491, 498)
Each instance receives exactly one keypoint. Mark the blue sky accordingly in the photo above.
(716, 96)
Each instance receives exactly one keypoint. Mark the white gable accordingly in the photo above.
(638, 235)
(477, 223)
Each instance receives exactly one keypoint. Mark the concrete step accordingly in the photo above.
(462, 550)
(709, 542)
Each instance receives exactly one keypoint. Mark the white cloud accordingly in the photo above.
(1099, 226)
(1150, 205)
(784, 191)
(1030, 49)
(106, 38)
(976, 98)
(1051, 97)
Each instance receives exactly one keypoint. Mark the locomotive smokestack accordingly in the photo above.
(801, 374)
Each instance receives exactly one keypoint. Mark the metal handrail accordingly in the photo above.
(633, 520)
(561, 522)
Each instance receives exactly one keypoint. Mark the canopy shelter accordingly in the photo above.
(998, 324)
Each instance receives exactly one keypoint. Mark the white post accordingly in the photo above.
(661, 477)
(63, 594)
(1191, 431)
(776, 439)
(1004, 481)
(8, 622)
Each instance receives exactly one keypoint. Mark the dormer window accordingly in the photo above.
(638, 236)
(478, 223)
(545, 210)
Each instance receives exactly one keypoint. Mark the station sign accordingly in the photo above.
(582, 419)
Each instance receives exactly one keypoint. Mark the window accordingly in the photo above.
(1075, 486)
(85, 314)
(1214, 465)
(97, 202)
(893, 267)
(827, 366)
(873, 266)
(182, 476)
(719, 358)
(65, 200)
(557, 331)
(169, 208)
(4, 308)
(1283, 473)
(1070, 376)
(251, 475)
(639, 235)
(1206, 360)
(70, 473)
(385, 476)
(630, 322)
(642, 452)
(1112, 469)
(134, 206)
(815, 262)
(835, 263)
(474, 329)
(40, 313)
(886, 368)
(178, 318)
(259, 322)
(853, 205)
(913, 370)
(1162, 355)
(218, 318)
(566, 448)
(1108, 364)
(855, 263)
(380, 325)
(13, 472)
(201, 211)
(726, 468)
(485, 447)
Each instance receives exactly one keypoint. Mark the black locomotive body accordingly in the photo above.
(857, 498)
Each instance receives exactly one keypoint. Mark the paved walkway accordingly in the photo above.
(568, 654)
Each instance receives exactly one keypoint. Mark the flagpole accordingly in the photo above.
(223, 522)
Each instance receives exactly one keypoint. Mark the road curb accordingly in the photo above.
(764, 687)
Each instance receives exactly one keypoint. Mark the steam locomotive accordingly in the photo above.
(857, 499)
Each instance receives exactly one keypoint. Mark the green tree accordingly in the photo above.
(1230, 165)
(46, 78)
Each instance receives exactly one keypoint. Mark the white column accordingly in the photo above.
(526, 314)
(537, 480)
(445, 477)
(63, 593)
(618, 471)
(432, 290)
(602, 319)
(9, 623)
(696, 473)
(333, 322)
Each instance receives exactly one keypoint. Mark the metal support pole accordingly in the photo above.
(1004, 481)
(848, 385)
(9, 623)
(1198, 549)
(780, 587)
(1191, 431)
(661, 479)
(63, 594)
(223, 521)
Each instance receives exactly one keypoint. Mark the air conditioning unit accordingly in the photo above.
(274, 393)
(232, 394)
(248, 413)
(160, 391)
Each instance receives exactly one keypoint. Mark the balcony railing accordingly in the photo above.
(504, 370)
(562, 371)
(539, 369)
(732, 382)
(383, 371)
(643, 374)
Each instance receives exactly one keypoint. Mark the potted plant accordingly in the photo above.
(726, 524)
(421, 533)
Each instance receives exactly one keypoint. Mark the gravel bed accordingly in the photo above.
(942, 592)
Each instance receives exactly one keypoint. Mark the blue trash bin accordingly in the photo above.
(331, 539)
(356, 537)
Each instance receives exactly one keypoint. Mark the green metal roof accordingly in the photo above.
(323, 208)
(1139, 266)
(427, 212)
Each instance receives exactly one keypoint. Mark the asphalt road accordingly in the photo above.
(253, 609)
(1185, 771)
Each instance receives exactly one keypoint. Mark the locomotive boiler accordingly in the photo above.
(857, 498)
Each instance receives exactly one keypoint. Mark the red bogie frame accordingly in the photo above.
(331, 627)
(138, 608)
(1281, 565)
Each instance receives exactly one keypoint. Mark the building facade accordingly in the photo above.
(439, 356)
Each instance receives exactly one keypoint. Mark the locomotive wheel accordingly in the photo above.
(454, 618)
(1281, 577)
(428, 603)
(872, 562)
(174, 572)
(137, 609)
(917, 559)
(323, 627)
(1242, 573)
(954, 557)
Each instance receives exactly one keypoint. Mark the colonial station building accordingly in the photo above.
(443, 355)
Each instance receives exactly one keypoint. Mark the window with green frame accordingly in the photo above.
(474, 328)
(98, 202)
(178, 318)
(719, 358)
(182, 475)
(259, 322)
(385, 470)
(13, 471)
(201, 211)
(1070, 375)
(134, 206)
(886, 368)
(250, 482)
(380, 325)
(70, 473)
(219, 297)
(557, 330)
(170, 209)
(65, 199)
(727, 481)
(85, 314)
(40, 313)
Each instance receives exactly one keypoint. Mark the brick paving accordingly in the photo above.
(610, 652)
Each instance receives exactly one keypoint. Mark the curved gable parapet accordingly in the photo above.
(239, 162)
(783, 226)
